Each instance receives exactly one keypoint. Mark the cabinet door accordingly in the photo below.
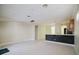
(61, 38)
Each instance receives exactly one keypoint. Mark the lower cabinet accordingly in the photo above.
(61, 38)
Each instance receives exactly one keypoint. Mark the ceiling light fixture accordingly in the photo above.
(32, 21)
(28, 16)
(45, 5)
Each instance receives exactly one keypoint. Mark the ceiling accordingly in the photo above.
(27, 12)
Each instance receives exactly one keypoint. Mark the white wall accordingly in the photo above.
(46, 29)
(58, 29)
(16, 32)
(77, 31)
(42, 31)
(77, 34)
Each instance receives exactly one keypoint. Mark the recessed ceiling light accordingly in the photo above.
(45, 5)
(28, 16)
(32, 21)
